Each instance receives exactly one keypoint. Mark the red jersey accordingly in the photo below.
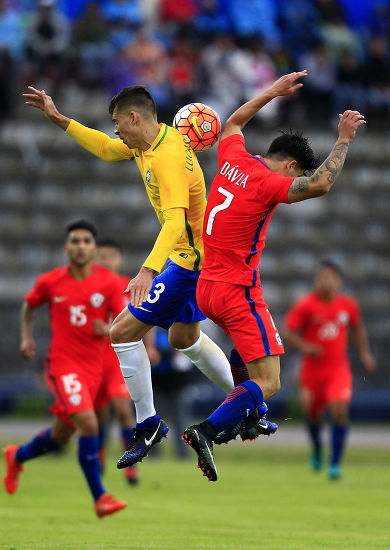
(326, 324)
(73, 306)
(243, 197)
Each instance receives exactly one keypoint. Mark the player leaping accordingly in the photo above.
(243, 197)
(175, 185)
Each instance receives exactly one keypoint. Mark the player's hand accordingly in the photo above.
(140, 286)
(40, 100)
(348, 125)
(27, 347)
(100, 327)
(287, 84)
(369, 362)
(311, 349)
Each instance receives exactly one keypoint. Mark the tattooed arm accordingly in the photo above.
(321, 181)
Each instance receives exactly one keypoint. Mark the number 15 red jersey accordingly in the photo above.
(243, 197)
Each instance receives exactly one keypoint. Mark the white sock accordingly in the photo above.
(136, 370)
(211, 360)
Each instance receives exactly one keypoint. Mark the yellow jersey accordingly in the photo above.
(172, 178)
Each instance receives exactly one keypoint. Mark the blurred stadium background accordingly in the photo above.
(221, 52)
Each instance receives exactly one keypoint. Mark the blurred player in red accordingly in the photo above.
(317, 326)
(82, 297)
(242, 199)
(113, 390)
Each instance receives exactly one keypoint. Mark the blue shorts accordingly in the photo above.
(172, 298)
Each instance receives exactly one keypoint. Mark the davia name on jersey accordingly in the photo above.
(233, 174)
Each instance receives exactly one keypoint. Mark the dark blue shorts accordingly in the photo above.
(171, 300)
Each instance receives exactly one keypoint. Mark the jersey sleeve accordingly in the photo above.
(232, 146)
(99, 143)
(39, 294)
(355, 316)
(173, 181)
(275, 188)
(296, 316)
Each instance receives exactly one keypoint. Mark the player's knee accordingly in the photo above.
(88, 426)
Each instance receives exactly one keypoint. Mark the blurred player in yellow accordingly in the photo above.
(113, 390)
(175, 186)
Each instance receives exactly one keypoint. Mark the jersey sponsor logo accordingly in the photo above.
(233, 174)
(97, 299)
(58, 299)
(148, 176)
(75, 399)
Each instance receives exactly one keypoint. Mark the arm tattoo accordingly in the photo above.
(329, 169)
(335, 161)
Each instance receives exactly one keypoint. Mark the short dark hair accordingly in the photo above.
(134, 97)
(112, 243)
(294, 145)
(82, 224)
(330, 264)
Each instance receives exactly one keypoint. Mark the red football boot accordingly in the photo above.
(106, 504)
(11, 478)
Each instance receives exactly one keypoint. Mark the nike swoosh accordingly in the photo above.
(58, 299)
(149, 441)
(195, 125)
(144, 309)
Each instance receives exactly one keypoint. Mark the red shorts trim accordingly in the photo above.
(318, 392)
(73, 389)
(242, 313)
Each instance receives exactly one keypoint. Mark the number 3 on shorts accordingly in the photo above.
(158, 289)
(226, 203)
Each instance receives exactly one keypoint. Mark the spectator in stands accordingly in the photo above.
(48, 39)
(213, 18)
(255, 18)
(299, 24)
(376, 74)
(144, 60)
(93, 51)
(183, 71)
(319, 85)
(225, 70)
(349, 90)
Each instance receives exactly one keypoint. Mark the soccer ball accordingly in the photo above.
(199, 124)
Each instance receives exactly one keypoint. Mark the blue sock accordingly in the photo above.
(338, 438)
(149, 423)
(89, 462)
(315, 436)
(42, 444)
(126, 434)
(238, 404)
(102, 437)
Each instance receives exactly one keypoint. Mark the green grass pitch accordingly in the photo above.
(266, 498)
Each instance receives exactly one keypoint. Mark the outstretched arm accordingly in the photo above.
(97, 143)
(322, 180)
(285, 85)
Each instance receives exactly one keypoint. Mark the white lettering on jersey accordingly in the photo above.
(233, 174)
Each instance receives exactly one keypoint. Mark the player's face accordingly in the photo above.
(80, 247)
(327, 282)
(109, 257)
(127, 127)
